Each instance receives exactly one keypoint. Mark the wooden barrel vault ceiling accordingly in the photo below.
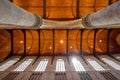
(59, 42)
(63, 9)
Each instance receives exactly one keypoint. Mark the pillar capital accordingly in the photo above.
(86, 21)
(38, 22)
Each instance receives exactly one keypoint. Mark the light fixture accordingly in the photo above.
(71, 47)
(21, 41)
(50, 47)
(61, 41)
(29, 47)
(100, 40)
(91, 46)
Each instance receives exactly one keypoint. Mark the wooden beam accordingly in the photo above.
(110, 2)
(44, 9)
(39, 42)
(11, 42)
(53, 31)
(81, 31)
(11, 0)
(94, 5)
(77, 9)
(24, 32)
(108, 39)
(94, 44)
(81, 52)
(67, 54)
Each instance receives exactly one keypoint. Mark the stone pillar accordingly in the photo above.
(14, 15)
(104, 18)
